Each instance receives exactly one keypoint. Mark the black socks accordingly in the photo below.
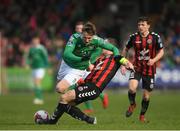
(59, 111)
(144, 104)
(78, 114)
(131, 97)
(71, 110)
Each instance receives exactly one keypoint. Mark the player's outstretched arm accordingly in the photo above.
(122, 60)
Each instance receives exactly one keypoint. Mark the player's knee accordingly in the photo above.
(146, 96)
(132, 90)
(59, 89)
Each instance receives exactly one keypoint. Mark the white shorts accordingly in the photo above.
(69, 74)
(38, 73)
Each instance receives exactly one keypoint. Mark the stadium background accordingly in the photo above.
(55, 21)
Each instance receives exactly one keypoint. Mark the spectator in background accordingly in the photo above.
(177, 53)
(37, 58)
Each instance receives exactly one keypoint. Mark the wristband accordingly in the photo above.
(123, 61)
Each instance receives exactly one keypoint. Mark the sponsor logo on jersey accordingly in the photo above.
(149, 41)
(144, 55)
(138, 42)
(98, 66)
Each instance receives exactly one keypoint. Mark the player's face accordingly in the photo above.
(79, 28)
(36, 40)
(143, 27)
(87, 37)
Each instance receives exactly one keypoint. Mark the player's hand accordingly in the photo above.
(150, 62)
(130, 66)
(123, 70)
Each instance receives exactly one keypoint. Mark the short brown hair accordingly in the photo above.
(144, 18)
(90, 28)
(79, 23)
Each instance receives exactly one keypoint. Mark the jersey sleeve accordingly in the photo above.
(108, 46)
(159, 43)
(68, 52)
(95, 55)
(129, 43)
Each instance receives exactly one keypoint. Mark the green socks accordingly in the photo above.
(38, 92)
(88, 105)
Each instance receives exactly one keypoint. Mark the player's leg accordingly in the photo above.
(79, 95)
(74, 111)
(147, 85)
(82, 93)
(104, 99)
(61, 107)
(133, 84)
(62, 86)
(38, 75)
(67, 77)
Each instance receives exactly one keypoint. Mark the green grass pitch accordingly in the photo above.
(17, 110)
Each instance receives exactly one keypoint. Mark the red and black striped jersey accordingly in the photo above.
(145, 48)
(104, 70)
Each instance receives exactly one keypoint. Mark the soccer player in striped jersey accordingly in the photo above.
(104, 70)
(37, 58)
(148, 49)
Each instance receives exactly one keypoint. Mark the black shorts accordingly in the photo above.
(85, 92)
(147, 81)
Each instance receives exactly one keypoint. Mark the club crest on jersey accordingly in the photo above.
(80, 88)
(149, 41)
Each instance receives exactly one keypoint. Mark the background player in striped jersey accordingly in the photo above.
(37, 58)
(104, 70)
(148, 49)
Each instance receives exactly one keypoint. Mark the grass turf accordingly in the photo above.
(17, 111)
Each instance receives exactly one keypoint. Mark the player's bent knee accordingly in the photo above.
(59, 89)
(132, 90)
(146, 96)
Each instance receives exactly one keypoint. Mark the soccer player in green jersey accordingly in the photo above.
(80, 53)
(37, 58)
(103, 96)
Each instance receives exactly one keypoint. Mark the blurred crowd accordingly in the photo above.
(54, 20)
(168, 25)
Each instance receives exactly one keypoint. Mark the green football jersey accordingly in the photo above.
(37, 57)
(76, 49)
